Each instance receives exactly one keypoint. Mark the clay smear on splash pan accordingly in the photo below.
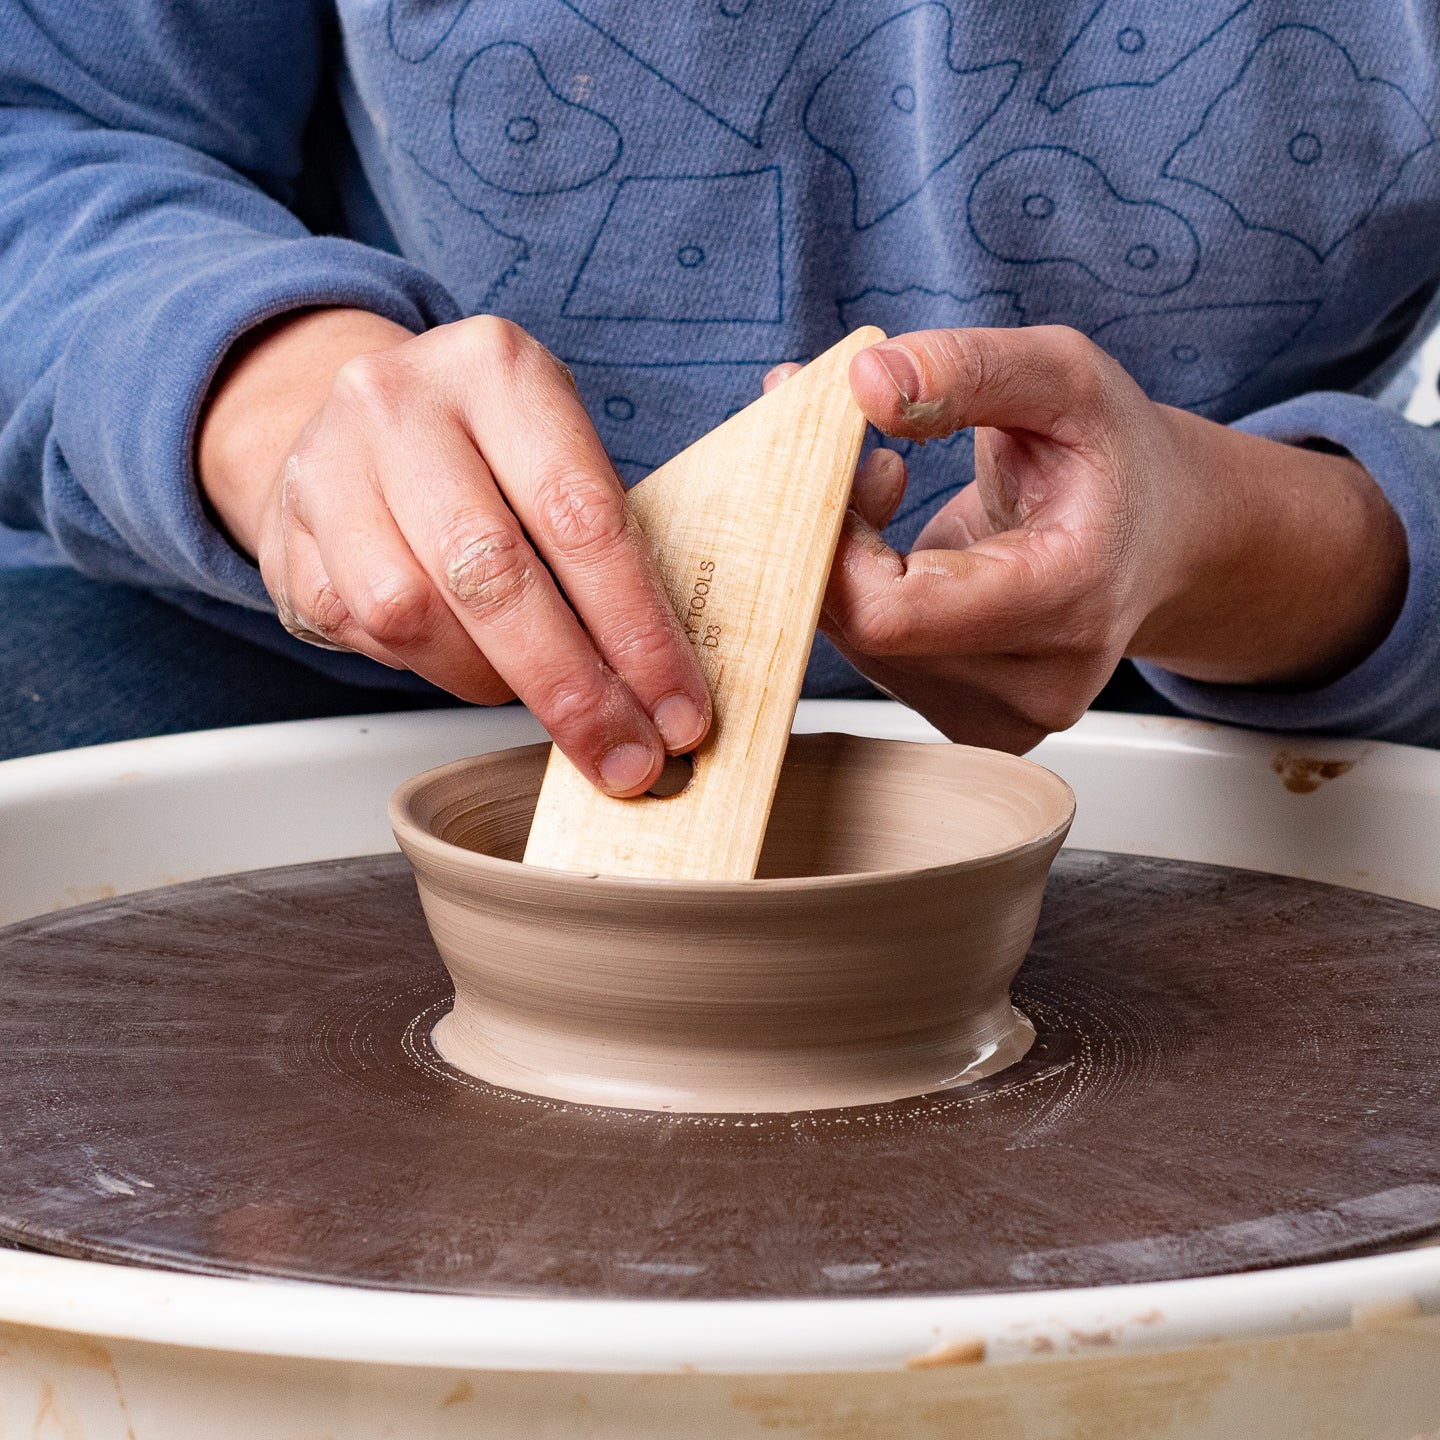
(869, 960)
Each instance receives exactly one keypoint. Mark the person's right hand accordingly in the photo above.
(434, 502)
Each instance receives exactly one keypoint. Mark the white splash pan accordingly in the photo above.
(1342, 1350)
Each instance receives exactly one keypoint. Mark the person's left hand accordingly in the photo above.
(1100, 525)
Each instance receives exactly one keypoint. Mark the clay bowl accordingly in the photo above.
(870, 960)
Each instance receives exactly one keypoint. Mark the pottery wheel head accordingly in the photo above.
(1231, 1070)
(870, 959)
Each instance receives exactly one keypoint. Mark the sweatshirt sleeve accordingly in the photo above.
(1394, 693)
(148, 149)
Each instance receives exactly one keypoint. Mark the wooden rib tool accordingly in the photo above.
(744, 524)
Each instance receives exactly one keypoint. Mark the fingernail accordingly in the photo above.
(625, 768)
(895, 361)
(879, 484)
(680, 722)
(882, 469)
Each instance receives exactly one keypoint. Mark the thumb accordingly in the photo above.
(1046, 379)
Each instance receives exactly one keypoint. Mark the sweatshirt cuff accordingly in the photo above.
(1394, 693)
(136, 375)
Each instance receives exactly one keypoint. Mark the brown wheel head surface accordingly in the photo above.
(1233, 1070)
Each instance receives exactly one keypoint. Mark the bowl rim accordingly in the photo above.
(412, 836)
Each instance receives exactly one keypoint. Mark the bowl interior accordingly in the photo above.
(845, 805)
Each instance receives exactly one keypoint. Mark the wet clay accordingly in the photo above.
(870, 959)
(1231, 1070)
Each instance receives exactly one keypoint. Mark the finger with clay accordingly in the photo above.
(441, 503)
(1100, 525)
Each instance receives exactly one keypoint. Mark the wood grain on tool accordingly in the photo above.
(744, 524)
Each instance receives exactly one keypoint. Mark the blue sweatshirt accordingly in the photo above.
(1241, 202)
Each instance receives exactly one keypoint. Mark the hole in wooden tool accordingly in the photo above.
(679, 771)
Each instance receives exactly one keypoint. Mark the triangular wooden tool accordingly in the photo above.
(745, 524)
